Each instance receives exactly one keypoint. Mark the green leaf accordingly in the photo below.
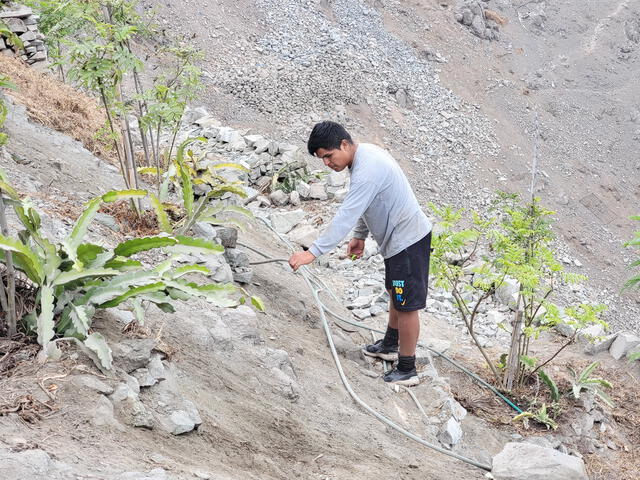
(186, 245)
(9, 190)
(116, 195)
(605, 397)
(27, 260)
(528, 361)
(163, 218)
(123, 264)
(185, 177)
(213, 293)
(154, 287)
(180, 271)
(136, 245)
(81, 318)
(634, 356)
(584, 375)
(138, 309)
(72, 242)
(74, 275)
(555, 394)
(258, 303)
(88, 252)
(82, 224)
(98, 345)
(237, 166)
(45, 319)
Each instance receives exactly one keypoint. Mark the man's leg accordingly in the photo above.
(408, 330)
(408, 326)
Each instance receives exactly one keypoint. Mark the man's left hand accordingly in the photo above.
(301, 258)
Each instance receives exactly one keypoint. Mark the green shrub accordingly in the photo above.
(74, 278)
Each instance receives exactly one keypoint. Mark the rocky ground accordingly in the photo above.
(463, 114)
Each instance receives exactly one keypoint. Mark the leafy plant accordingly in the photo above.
(517, 239)
(633, 357)
(74, 278)
(95, 39)
(549, 382)
(4, 83)
(584, 381)
(183, 174)
(634, 242)
(541, 416)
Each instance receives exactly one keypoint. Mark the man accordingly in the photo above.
(380, 201)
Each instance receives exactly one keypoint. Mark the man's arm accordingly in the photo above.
(361, 231)
(350, 212)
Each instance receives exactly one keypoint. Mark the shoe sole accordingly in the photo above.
(389, 357)
(409, 382)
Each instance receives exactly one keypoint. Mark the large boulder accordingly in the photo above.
(524, 461)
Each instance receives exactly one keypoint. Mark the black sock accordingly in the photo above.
(406, 364)
(391, 337)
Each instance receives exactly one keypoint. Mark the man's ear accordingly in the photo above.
(344, 144)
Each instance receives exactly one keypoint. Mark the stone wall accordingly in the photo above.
(21, 21)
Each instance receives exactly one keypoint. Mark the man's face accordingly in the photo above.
(336, 159)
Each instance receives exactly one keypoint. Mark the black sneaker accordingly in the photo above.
(398, 377)
(382, 351)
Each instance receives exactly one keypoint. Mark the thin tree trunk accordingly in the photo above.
(115, 141)
(513, 360)
(11, 276)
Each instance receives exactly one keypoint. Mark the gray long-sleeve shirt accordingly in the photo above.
(380, 201)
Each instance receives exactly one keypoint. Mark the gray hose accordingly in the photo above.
(325, 324)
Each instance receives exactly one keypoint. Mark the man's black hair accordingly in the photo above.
(327, 135)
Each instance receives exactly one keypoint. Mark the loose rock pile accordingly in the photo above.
(22, 22)
(482, 22)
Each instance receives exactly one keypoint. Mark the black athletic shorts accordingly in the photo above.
(407, 276)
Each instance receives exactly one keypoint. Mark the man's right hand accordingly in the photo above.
(356, 247)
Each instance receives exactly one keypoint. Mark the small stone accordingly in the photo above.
(600, 346)
(565, 330)
(294, 198)
(243, 275)
(304, 235)
(28, 36)
(318, 191)
(284, 222)
(228, 236)
(236, 258)
(304, 189)
(504, 293)
(16, 25)
(279, 198)
(451, 432)
(624, 342)
(340, 194)
(362, 313)
(336, 179)
(131, 354)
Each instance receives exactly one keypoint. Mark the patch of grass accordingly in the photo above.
(57, 105)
